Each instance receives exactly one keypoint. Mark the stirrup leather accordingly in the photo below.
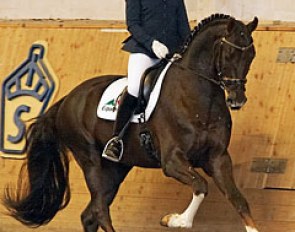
(115, 139)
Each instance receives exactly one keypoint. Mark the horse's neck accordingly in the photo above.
(200, 53)
(199, 59)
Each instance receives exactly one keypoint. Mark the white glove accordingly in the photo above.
(159, 49)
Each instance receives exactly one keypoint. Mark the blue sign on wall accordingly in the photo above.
(27, 90)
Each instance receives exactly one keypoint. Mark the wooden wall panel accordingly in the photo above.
(263, 128)
(75, 54)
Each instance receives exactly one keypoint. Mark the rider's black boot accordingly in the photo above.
(114, 148)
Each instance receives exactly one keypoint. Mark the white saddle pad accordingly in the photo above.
(108, 105)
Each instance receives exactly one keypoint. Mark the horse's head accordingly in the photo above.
(220, 49)
(234, 55)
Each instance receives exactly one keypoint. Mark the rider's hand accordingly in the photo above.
(159, 49)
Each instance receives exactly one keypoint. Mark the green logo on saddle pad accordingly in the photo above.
(110, 106)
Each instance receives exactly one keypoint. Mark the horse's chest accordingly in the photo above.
(211, 135)
(206, 141)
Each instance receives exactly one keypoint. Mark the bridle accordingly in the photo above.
(234, 45)
(223, 80)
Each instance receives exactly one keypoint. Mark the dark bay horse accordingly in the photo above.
(191, 127)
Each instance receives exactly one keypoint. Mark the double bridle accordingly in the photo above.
(223, 80)
(234, 45)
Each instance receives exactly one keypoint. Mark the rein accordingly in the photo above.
(220, 83)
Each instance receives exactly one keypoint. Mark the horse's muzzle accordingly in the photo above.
(234, 104)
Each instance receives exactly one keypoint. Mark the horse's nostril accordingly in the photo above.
(235, 107)
(233, 104)
(229, 100)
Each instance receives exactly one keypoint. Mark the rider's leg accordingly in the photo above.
(114, 148)
(138, 63)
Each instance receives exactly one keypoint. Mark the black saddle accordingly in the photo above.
(147, 83)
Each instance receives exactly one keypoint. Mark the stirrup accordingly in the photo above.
(118, 140)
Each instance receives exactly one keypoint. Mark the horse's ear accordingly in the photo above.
(252, 25)
(231, 25)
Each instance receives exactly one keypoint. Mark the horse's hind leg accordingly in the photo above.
(179, 168)
(221, 170)
(103, 181)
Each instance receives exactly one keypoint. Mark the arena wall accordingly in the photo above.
(79, 50)
(270, 10)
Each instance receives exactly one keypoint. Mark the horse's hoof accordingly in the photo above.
(165, 220)
(250, 229)
(176, 221)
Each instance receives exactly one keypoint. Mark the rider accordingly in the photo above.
(157, 27)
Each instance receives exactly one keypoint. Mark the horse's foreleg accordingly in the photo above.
(179, 168)
(223, 177)
(186, 218)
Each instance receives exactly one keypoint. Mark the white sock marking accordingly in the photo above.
(187, 217)
(251, 229)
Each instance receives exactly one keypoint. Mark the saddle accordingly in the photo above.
(149, 92)
(147, 84)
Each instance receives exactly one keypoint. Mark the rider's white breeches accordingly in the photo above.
(137, 64)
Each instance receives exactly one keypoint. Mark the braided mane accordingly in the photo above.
(201, 25)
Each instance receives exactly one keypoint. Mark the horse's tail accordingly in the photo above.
(46, 189)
